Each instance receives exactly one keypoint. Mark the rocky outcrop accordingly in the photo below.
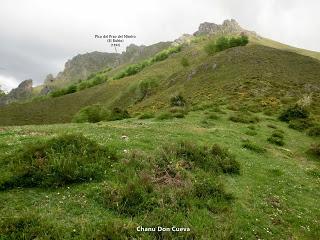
(82, 65)
(22, 92)
(227, 27)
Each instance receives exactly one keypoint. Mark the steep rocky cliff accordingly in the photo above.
(22, 92)
(227, 27)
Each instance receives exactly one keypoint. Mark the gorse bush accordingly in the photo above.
(92, 114)
(59, 161)
(223, 43)
(177, 101)
(294, 112)
(97, 113)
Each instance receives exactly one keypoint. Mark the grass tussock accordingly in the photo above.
(59, 161)
(277, 138)
(253, 147)
(244, 118)
(314, 131)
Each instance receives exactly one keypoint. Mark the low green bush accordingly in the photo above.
(64, 91)
(315, 149)
(92, 81)
(223, 43)
(94, 113)
(314, 131)
(300, 124)
(59, 161)
(185, 62)
(244, 118)
(118, 114)
(253, 147)
(132, 199)
(177, 101)
(164, 116)
(138, 67)
(27, 226)
(146, 115)
(215, 159)
(294, 112)
(277, 138)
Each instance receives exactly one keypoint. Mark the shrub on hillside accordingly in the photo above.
(94, 113)
(277, 138)
(164, 116)
(244, 118)
(135, 68)
(64, 91)
(215, 159)
(146, 115)
(145, 88)
(314, 131)
(300, 124)
(177, 101)
(315, 149)
(223, 43)
(253, 147)
(185, 62)
(118, 114)
(91, 82)
(294, 112)
(132, 199)
(59, 161)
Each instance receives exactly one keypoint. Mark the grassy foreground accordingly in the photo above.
(153, 181)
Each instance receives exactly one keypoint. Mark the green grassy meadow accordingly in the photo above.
(275, 195)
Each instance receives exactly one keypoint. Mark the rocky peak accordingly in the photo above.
(227, 27)
(22, 92)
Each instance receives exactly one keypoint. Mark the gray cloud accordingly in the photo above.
(38, 37)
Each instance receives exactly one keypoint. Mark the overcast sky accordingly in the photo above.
(38, 36)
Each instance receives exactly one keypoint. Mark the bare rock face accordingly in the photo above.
(22, 92)
(227, 27)
(82, 65)
(185, 38)
(49, 79)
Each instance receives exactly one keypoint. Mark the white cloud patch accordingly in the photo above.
(8, 82)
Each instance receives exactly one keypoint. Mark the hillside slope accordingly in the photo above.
(242, 76)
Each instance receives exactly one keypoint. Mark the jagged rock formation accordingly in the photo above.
(227, 27)
(136, 53)
(82, 65)
(22, 92)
